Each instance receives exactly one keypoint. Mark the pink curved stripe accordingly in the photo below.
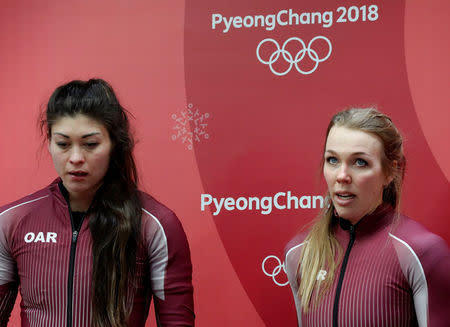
(427, 31)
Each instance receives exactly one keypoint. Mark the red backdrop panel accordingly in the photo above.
(213, 119)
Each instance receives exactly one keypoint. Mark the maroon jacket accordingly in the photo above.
(51, 261)
(393, 273)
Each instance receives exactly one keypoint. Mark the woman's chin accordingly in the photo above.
(349, 214)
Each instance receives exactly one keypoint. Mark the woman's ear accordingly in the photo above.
(390, 178)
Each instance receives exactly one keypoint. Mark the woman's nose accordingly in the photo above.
(343, 175)
(76, 155)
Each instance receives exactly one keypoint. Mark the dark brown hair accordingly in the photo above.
(115, 213)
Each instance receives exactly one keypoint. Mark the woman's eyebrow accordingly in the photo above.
(61, 134)
(83, 136)
(352, 153)
(360, 153)
(90, 134)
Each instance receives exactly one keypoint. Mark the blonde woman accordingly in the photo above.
(363, 263)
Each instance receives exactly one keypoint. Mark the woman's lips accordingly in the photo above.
(78, 175)
(344, 198)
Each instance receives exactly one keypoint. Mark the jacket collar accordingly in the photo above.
(381, 217)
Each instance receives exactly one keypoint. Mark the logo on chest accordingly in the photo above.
(321, 275)
(49, 237)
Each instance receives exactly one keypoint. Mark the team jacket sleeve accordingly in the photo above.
(171, 272)
(292, 256)
(8, 279)
(8, 293)
(426, 266)
(437, 271)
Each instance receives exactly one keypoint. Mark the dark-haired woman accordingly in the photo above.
(90, 249)
(362, 263)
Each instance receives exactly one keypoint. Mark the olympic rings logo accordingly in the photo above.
(288, 57)
(276, 271)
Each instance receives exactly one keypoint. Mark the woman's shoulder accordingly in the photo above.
(153, 207)
(295, 243)
(414, 238)
(292, 251)
(161, 228)
(415, 234)
(156, 213)
(27, 207)
(28, 202)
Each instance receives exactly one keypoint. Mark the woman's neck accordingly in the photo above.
(77, 201)
(80, 203)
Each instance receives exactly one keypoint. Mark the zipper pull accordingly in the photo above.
(352, 232)
(74, 236)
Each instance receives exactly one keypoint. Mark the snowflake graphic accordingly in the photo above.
(182, 129)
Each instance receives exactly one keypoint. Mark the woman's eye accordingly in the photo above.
(332, 160)
(91, 145)
(62, 145)
(360, 162)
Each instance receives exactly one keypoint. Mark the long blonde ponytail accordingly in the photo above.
(320, 251)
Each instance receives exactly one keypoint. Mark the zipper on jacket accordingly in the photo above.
(73, 248)
(341, 276)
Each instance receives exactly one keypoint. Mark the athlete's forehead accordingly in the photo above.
(80, 126)
(348, 141)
